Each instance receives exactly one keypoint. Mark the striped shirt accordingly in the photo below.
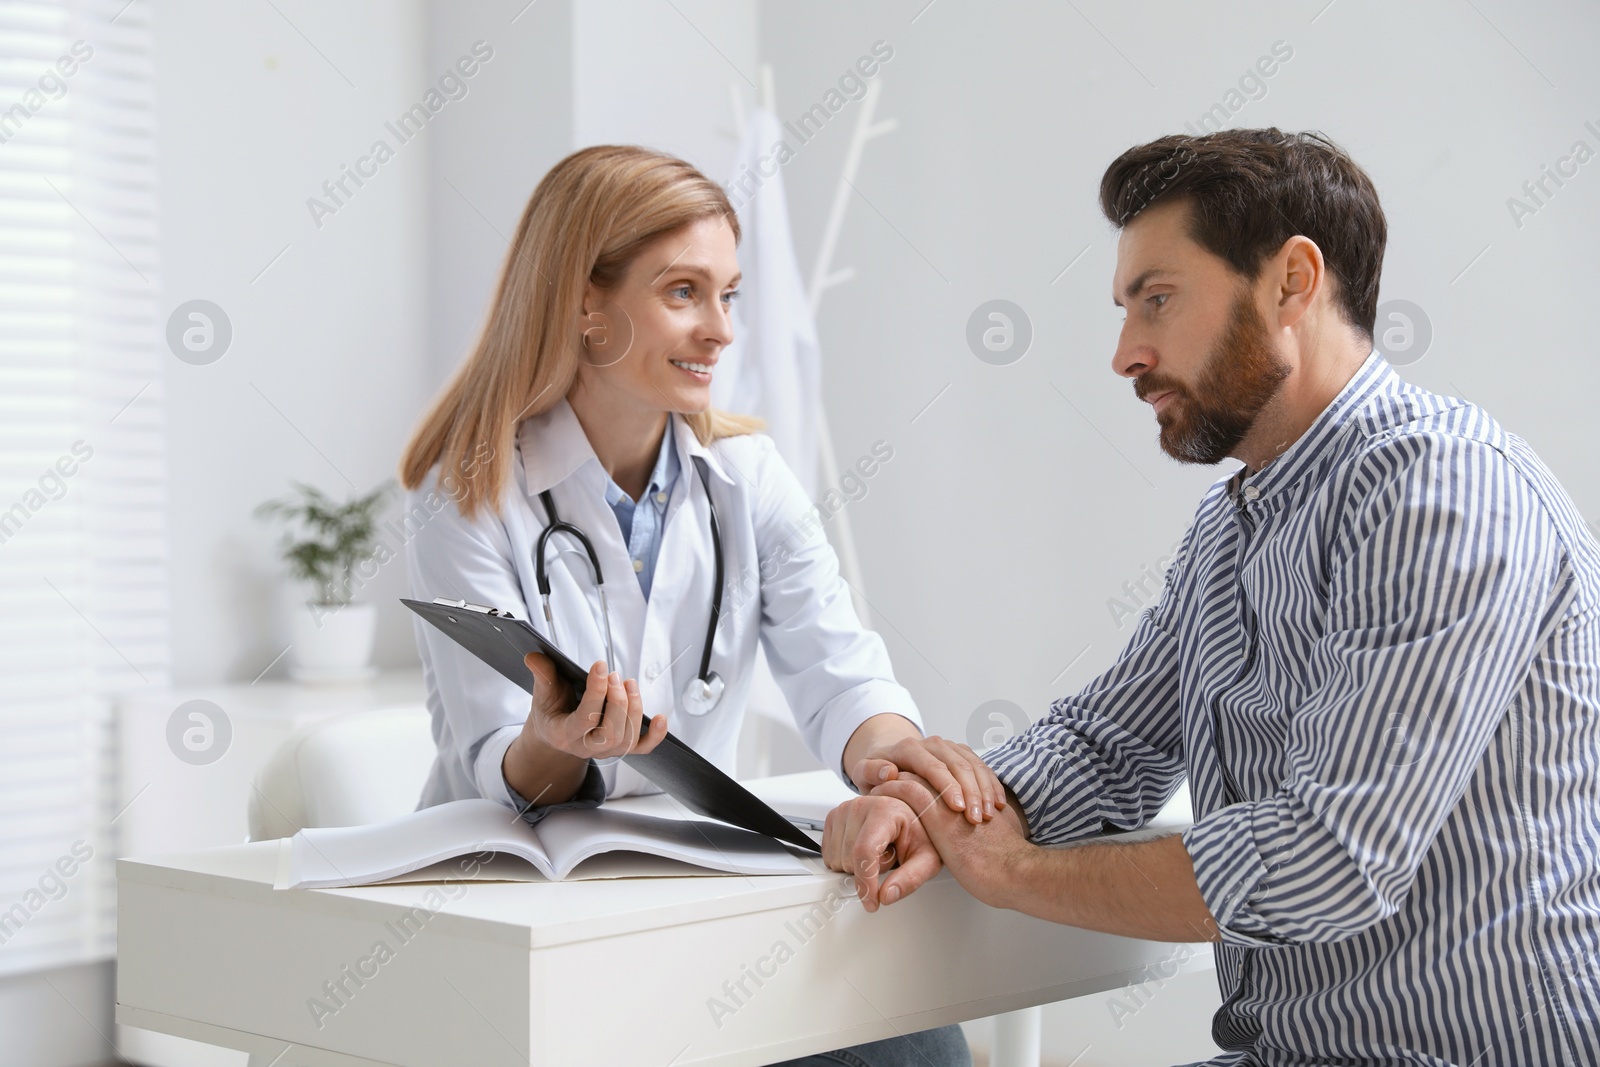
(1377, 660)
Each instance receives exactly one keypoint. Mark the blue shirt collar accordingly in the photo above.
(553, 447)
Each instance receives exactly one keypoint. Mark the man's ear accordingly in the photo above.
(1299, 275)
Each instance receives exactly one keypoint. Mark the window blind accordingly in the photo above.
(82, 465)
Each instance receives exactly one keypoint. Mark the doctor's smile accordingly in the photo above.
(624, 508)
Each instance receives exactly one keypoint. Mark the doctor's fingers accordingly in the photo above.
(551, 695)
(926, 758)
(591, 705)
(633, 724)
(993, 791)
(654, 734)
(962, 779)
(611, 736)
(575, 732)
(870, 770)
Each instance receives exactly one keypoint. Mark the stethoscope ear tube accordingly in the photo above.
(716, 584)
(541, 576)
(704, 691)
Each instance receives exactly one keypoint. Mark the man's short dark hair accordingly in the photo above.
(1252, 190)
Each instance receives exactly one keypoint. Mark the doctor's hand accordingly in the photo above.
(605, 723)
(870, 834)
(955, 772)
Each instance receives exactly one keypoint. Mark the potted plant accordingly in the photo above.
(331, 640)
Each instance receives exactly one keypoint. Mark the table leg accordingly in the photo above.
(1016, 1038)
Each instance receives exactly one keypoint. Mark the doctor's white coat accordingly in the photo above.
(781, 587)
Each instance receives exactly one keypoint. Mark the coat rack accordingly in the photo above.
(825, 277)
(1017, 1034)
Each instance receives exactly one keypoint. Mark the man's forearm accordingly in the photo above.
(1145, 889)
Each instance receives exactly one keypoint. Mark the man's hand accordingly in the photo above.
(1143, 889)
(983, 858)
(955, 772)
(869, 834)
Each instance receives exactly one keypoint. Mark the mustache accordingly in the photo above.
(1145, 386)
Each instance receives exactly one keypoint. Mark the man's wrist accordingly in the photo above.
(1009, 883)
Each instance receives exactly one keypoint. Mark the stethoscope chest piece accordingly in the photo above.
(701, 695)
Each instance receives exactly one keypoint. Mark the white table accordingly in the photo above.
(628, 972)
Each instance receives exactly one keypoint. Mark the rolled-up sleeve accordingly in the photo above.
(834, 673)
(1444, 581)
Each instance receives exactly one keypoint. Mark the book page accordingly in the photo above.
(500, 867)
(471, 867)
(359, 855)
(574, 835)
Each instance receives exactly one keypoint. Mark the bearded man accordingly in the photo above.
(1376, 659)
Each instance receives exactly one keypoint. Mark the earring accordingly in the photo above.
(591, 329)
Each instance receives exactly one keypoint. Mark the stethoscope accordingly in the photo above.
(704, 689)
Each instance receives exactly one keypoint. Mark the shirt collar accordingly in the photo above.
(689, 447)
(554, 447)
(1374, 376)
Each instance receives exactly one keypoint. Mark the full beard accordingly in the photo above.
(1243, 372)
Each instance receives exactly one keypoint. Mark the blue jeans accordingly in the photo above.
(944, 1047)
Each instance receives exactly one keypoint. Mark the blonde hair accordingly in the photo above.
(587, 221)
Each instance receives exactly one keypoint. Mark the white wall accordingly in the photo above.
(516, 124)
(258, 106)
(658, 75)
(1009, 516)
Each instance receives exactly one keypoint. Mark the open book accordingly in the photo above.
(361, 855)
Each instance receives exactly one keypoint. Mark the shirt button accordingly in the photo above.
(1251, 492)
(661, 498)
(652, 672)
(638, 565)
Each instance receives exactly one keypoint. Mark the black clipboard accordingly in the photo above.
(501, 640)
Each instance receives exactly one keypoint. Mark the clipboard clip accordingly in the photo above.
(445, 601)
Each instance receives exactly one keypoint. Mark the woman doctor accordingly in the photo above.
(586, 404)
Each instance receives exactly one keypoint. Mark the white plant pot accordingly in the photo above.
(331, 642)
